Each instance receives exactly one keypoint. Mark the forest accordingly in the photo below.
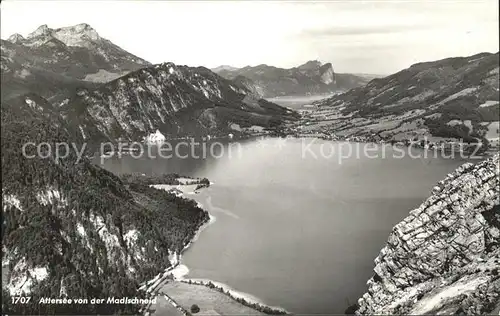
(96, 237)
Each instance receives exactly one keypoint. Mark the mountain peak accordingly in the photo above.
(76, 35)
(82, 28)
(224, 67)
(311, 64)
(41, 30)
(15, 38)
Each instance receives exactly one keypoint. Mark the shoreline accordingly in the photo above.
(178, 271)
(151, 286)
(176, 267)
(445, 146)
(240, 297)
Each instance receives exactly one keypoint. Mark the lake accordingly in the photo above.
(299, 102)
(297, 231)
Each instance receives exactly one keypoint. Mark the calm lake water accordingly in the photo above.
(294, 231)
(298, 102)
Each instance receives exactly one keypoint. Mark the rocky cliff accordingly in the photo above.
(327, 75)
(444, 258)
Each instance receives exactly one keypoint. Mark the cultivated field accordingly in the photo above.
(163, 307)
(211, 302)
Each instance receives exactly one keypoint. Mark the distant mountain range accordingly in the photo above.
(454, 98)
(111, 94)
(313, 77)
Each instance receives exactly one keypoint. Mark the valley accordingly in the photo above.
(458, 103)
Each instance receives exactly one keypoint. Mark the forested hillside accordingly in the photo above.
(73, 229)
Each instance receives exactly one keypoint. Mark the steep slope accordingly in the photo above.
(453, 98)
(255, 89)
(175, 100)
(346, 82)
(444, 258)
(62, 57)
(72, 229)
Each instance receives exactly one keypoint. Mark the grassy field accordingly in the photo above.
(163, 307)
(210, 301)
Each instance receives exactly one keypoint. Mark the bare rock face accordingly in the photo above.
(444, 258)
(327, 74)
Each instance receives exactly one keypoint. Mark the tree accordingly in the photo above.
(351, 309)
(195, 308)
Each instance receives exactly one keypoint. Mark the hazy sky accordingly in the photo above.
(355, 36)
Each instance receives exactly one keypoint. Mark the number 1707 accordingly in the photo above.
(21, 299)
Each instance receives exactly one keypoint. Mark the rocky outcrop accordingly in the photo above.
(327, 74)
(445, 256)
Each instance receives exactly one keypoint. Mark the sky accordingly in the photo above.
(373, 37)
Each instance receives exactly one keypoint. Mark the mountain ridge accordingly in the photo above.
(311, 77)
(56, 64)
(176, 100)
